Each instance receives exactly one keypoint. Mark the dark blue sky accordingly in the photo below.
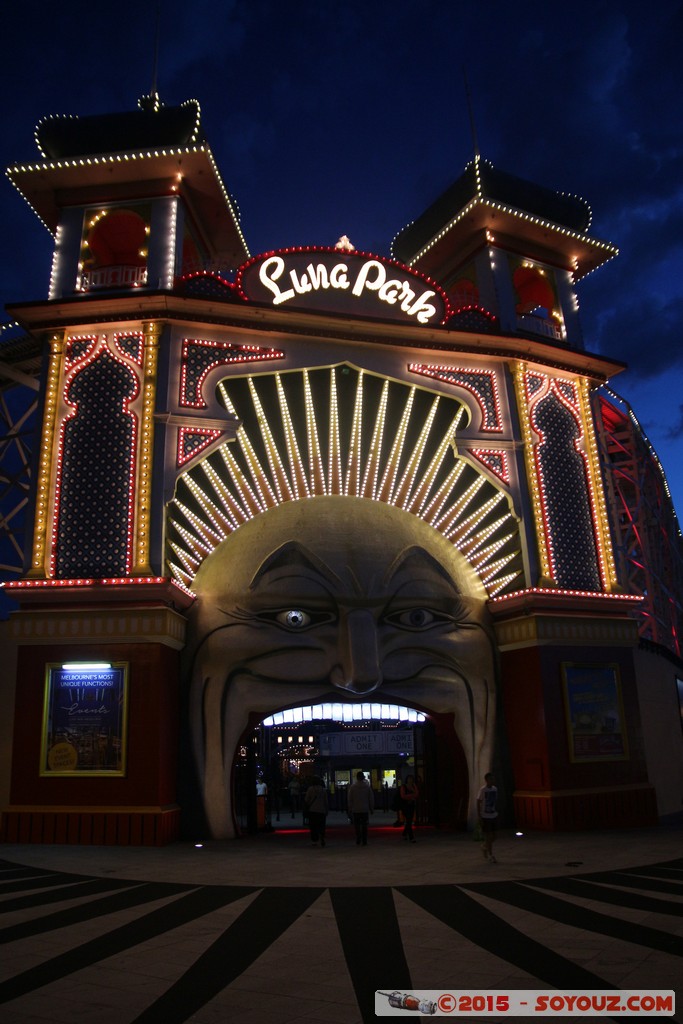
(329, 118)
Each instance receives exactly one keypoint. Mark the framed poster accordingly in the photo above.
(85, 720)
(594, 712)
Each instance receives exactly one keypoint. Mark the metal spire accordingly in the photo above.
(152, 101)
(473, 127)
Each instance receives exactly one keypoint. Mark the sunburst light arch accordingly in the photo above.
(344, 431)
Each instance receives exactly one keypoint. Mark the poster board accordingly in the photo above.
(596, 729)
(85, 720)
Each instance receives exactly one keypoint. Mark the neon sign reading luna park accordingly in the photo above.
(336, 281)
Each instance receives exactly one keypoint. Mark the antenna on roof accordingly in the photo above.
(473, 127)
(152, 101)
(154, 90)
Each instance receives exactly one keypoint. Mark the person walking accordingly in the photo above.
(409, 795)
(294, 789)
(361, 804)
(261, 800)
(396, 803)
(487, 808)
(316, 803)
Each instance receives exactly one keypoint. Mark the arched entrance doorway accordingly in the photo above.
(334, 596)
(339, 548)
(277, 760)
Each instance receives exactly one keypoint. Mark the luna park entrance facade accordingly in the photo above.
(279, 757)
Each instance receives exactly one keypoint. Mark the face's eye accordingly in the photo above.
(294, 619)
(416, 618)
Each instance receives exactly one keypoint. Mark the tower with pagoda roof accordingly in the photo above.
(515, 248)
(133, 200)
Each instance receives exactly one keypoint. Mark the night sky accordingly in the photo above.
(350, 118)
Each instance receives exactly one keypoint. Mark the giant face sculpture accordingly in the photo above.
(334, 598)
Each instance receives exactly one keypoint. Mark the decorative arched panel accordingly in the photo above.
(567, 508)
(482, 385)
(96, 476)
(564, 476)
(343, 431)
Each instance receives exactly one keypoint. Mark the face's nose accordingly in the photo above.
(357, 670)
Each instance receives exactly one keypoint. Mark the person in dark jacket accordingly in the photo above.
(409, 795)
(316, 803)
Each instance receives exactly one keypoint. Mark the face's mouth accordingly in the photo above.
(262, 688)
(226, 701)
(435, 688)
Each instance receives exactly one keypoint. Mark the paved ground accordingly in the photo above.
(268, 930)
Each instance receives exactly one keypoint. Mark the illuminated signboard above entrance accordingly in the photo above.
(336, 281)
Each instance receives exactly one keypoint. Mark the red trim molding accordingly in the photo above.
(97, 826)
(576, 810)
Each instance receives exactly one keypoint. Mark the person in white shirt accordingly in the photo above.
(361, 804)
(487, 808)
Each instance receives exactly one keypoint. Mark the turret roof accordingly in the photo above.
(152, 126)
(155, 150)
(484, 197)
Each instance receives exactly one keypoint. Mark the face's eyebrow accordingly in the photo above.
(293, 555)
(413, 559)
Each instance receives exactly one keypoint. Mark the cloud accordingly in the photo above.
(648, 336)
(675, 430)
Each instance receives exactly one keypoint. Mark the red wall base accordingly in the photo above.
(91, 827)
(621, 807)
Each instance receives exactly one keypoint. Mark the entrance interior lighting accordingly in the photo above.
(86, 666)
(339, 712)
